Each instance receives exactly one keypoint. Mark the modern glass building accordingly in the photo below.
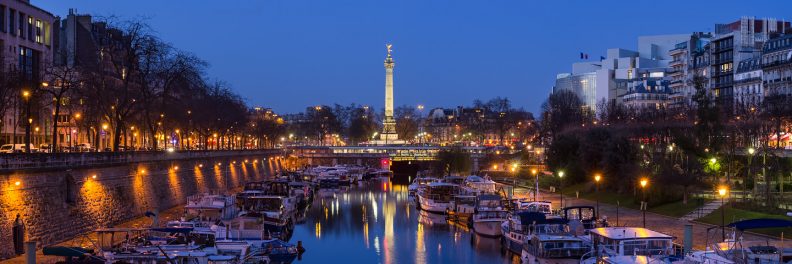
(583, 85)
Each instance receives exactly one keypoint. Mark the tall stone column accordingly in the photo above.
(389, 123)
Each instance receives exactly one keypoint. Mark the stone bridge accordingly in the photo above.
(375, 155)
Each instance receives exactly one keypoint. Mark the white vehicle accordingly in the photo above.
(16, 148)
(83, 147)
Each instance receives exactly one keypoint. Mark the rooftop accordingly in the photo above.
(622, 233)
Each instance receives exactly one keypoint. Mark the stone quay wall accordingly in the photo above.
(61, 196)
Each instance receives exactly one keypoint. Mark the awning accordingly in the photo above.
(66, 251)
(760, 223)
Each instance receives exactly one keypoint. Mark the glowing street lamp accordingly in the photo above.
(534, 172)
(561, 186)
(751, 151)
(644, 182)
(722, 192)
(597, 179)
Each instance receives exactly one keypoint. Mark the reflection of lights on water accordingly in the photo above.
(325, 211)
(318, 230)
(420, 247)
(374, 208)
(376, 245)
(337, 207)
(366, 234)
(389, 212)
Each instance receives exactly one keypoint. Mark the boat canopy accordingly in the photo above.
(66, 251)
(760, 223)
(489, 197)
(474, 178)
(622, 233)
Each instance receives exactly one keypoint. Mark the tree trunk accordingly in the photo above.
(54, 147)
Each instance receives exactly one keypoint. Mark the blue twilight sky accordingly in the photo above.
(289, 54)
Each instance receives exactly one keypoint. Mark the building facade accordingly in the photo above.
(748, 88)
(27, 43)
(776, 66)
(733, 43)
(648, 90)
(685, 64)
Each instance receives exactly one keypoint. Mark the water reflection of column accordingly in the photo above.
(365, 227)
(388, 211)
(420, 247)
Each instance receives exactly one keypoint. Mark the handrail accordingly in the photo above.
(20, 161)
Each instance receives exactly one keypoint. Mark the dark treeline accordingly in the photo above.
(696, 147)
(130, 88)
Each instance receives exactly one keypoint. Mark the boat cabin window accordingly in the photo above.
(646, 247)
(492, 215)
(544, 208)
(265, 204)
(580, 214)
(549, 229)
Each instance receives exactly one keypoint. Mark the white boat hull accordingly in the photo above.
(432, 206)
(489, 227)
(526, 258)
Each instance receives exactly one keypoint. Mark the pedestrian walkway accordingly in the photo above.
(703, 210)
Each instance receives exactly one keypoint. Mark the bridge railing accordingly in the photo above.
(24, 161)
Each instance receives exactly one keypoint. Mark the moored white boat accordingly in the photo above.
(549, 241)
(489, 215)
(437, 197)
(619, 244)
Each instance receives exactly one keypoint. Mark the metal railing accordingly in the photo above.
(25, 161)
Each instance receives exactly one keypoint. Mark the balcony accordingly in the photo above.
(777, 63)
(748, 80)
(718, 85)
(676, 63)
(716, 48)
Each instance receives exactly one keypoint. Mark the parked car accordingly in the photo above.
(45, 148)
(82, 147)
(16, 148)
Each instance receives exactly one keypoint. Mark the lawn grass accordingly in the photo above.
(734, 214)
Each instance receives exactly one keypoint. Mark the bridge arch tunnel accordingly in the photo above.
(405, 171)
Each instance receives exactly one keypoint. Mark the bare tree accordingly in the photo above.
(63, 80)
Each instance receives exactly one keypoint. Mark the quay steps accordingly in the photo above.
(703, 210)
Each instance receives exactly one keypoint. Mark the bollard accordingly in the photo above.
(688, 238)
(30, 252)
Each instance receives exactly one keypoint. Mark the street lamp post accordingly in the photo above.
(644, 183)
(722, 191)
(536, 183)
(560, 187)
(26, 96)
(597, 179)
